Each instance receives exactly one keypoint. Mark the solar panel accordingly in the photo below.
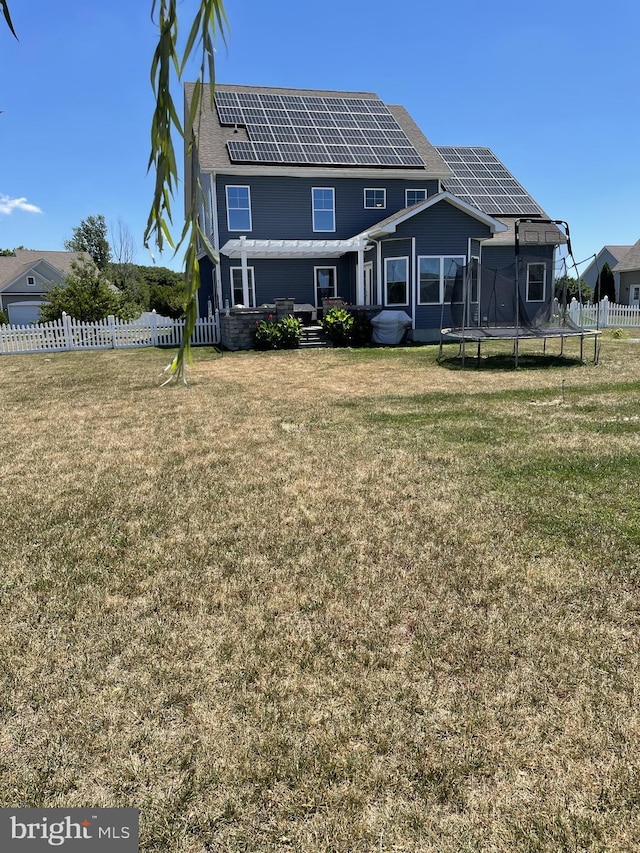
(301, 129)
(482, 180)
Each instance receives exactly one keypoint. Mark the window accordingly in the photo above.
(237, 291)
(324, 213)
(396, 281)
(414, 196)
(375, 198)
(238, 208)
(325, 283)
(536, 279)
(440, 278)
(31, 280)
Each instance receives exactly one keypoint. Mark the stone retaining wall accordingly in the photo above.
(237, 327)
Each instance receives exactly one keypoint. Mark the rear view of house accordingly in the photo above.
(313, 194)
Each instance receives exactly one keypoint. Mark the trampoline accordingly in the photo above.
(512, 303)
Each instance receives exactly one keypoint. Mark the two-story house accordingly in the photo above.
(311, 194)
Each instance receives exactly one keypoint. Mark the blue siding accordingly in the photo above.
(281, 208)
(290, 278)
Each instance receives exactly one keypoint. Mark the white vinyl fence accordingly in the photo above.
(604, 314)
(110, 333)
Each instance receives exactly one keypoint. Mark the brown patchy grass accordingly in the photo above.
(324, 601)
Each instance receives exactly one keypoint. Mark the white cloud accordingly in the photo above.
(8, 205)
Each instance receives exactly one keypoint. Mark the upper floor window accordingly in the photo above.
(440, 278)
(414, 196)
(536, 280)
(238, 208)
(396, 281)
(375, 198)
(31, 280)
(324, 208)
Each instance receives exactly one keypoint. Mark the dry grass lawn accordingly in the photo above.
(326, 601)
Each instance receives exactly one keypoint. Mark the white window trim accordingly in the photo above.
(313, 211)
(31, 281)
(544, 280)
(404, 258)
(415, 190)
(441, 258)
(315, 281)
(239, 187)
(251, 283)
(383, 190)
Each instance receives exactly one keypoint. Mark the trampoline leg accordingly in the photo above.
(544, 346)
(478, 356)
(561, 344)
(581, 349)
(516, 347)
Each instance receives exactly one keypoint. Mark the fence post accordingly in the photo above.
(66, 330)
(604, 315)
(573, 311)
(112, 330)
(216, 331)
(154, 328)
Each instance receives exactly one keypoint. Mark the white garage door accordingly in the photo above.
(23, 313)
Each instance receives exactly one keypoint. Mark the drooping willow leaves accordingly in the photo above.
(168, 65)
(167, 72)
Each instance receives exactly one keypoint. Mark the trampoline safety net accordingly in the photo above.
(515, 301)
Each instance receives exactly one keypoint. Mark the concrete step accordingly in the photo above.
(314, 336)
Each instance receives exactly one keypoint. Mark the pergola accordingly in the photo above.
(244, 248)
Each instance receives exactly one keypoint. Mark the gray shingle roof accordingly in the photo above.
(211, 136)
(544, 233)
(25, 259)
(630, 260)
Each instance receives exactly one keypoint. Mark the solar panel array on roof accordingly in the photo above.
(317, 130)
(481, 180)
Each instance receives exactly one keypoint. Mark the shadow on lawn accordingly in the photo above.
(507, 362)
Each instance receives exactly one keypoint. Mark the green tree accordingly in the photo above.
(91, 237)
(572, 288)
(168, 67)
(86, 295)
(605, 286)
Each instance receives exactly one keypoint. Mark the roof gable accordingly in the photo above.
(24, 261)
(390, 223)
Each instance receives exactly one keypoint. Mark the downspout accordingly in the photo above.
(360, 274)
(379, 271)
(412, 290)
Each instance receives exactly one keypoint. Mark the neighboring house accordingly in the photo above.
(25, 278)
(607, 255)
(628, 270)
(311, 194)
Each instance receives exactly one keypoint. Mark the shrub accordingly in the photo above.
(277, 334)
(337, 324)
(361, 330)
(290, 332)
(4, 320)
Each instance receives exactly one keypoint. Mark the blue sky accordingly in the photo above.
(552, 88)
